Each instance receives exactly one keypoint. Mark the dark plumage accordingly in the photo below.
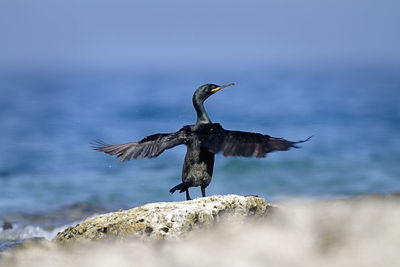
(203, 140)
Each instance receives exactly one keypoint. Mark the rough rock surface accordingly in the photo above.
(166, 220)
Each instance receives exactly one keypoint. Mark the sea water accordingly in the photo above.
(50, 177)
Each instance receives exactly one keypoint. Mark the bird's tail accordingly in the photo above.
(181, 187)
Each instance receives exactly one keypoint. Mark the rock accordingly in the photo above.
(166, 220)
(395, 196)
(299, 233)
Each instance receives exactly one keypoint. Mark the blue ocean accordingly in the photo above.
(50, 177)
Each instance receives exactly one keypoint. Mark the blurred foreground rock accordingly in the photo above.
(166, 220)
(300, 233)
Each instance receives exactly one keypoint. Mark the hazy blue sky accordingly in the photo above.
(100, 33)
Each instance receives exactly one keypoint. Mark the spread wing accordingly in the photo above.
(245, 144)
(149, 147)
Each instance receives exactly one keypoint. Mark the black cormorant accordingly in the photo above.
(203, 140)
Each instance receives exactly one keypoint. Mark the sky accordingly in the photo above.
(118, 33)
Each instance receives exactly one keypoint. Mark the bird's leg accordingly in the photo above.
(203, 191)
(187, 194)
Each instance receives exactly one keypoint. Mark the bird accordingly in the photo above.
(203, 140)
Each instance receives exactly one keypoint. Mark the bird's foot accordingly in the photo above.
(187, 195)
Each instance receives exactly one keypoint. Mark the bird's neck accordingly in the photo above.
(202, 117)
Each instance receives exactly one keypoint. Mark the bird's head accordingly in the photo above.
(206, 90)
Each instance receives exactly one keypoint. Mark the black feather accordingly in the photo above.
(244, 144)
(150, 147)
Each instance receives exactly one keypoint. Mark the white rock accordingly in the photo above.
(166, 220)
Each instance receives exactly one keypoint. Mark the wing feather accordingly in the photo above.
(150, 147)
(245, 144)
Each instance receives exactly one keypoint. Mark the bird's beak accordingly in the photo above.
(220, 87)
